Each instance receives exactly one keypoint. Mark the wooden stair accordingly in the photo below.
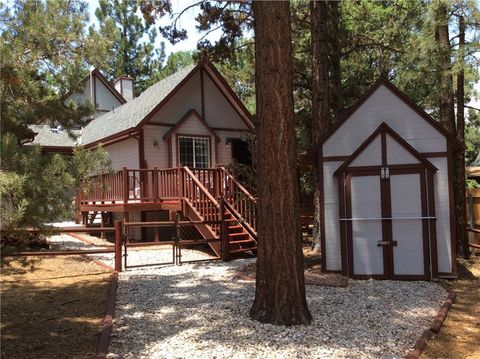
(239, 240)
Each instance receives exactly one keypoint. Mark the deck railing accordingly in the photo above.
(203, 188)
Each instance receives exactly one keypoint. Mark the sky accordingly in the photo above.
(187, 21)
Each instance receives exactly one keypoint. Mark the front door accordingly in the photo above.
(385, 224)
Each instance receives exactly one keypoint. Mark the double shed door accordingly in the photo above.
(386, 224)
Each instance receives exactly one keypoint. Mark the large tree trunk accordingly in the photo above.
(460, 205)
(335, 57)
(320, 98)
(280, 286)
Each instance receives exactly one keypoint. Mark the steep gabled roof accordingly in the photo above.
(131, 114)
(313, 151)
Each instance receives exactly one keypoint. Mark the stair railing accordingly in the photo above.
(239, 201)
(201, 198)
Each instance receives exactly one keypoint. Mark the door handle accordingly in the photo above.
(386, 243)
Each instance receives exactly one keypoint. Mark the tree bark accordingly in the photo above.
(320, 97)
(460, 185)
(280, 286)
(446, 105)
(335, 57)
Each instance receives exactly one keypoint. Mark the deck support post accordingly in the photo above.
(125, 185)
(118, 246)
(155, 184)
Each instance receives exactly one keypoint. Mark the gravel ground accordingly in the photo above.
(198, 311)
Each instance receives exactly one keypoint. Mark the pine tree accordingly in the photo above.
(131, 54)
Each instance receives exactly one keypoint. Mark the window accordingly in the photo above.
(194, 152)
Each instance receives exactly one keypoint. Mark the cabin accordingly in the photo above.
(387, 203)
(169, 150)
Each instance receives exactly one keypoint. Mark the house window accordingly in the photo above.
(194, 152)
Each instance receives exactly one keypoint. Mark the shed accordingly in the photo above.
(387, 203)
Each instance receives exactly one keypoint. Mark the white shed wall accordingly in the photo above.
(104, 97)
(442, 211)
(384, 106)
(332, 228)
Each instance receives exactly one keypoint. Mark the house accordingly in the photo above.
(387, 191)
(168, 147)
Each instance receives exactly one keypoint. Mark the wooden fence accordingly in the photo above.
(473, 217)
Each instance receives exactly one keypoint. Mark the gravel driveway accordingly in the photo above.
(199, 311)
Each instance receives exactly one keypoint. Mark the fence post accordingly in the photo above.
(118, 246)
(176, 233)
(471, 216)
(155, 184)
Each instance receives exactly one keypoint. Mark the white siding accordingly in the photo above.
(155, 156)
(218, 110)
(225, 151)
(384, 106)
(406, 202)
(397, 154)
(332, 228)
(371, 155)
(193, 127)
(104, 97)
(365, 200)
(187, 98)
(124, 154)
(442, 211)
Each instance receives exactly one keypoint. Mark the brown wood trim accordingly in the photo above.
(383, 130)
(387, 225)
(384, 148)
(170, 154)
(433, 224)
(383, 81)
(141, 150)
(117, 141)
(151, 123)
(185, 117)
(112, 139)
(230, 129)
(434, 154)
(57, 149)
(425, 229)
(202, 92)
(391, 167)
(451, 204)
(334, 158)
(209, 66)
(94, 78)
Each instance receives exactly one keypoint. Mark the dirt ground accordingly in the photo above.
(52, 307)
(460, 333)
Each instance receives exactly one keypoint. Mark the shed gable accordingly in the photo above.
(383, 105)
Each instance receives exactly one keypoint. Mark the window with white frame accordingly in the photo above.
(194, 152)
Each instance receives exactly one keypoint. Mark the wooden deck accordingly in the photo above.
(209, 195)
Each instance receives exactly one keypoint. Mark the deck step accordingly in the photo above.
(242, 241)
(242, 250)
(235, 229)
(238, 235)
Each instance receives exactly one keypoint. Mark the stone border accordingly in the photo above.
(435, 327)
(104, 338)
